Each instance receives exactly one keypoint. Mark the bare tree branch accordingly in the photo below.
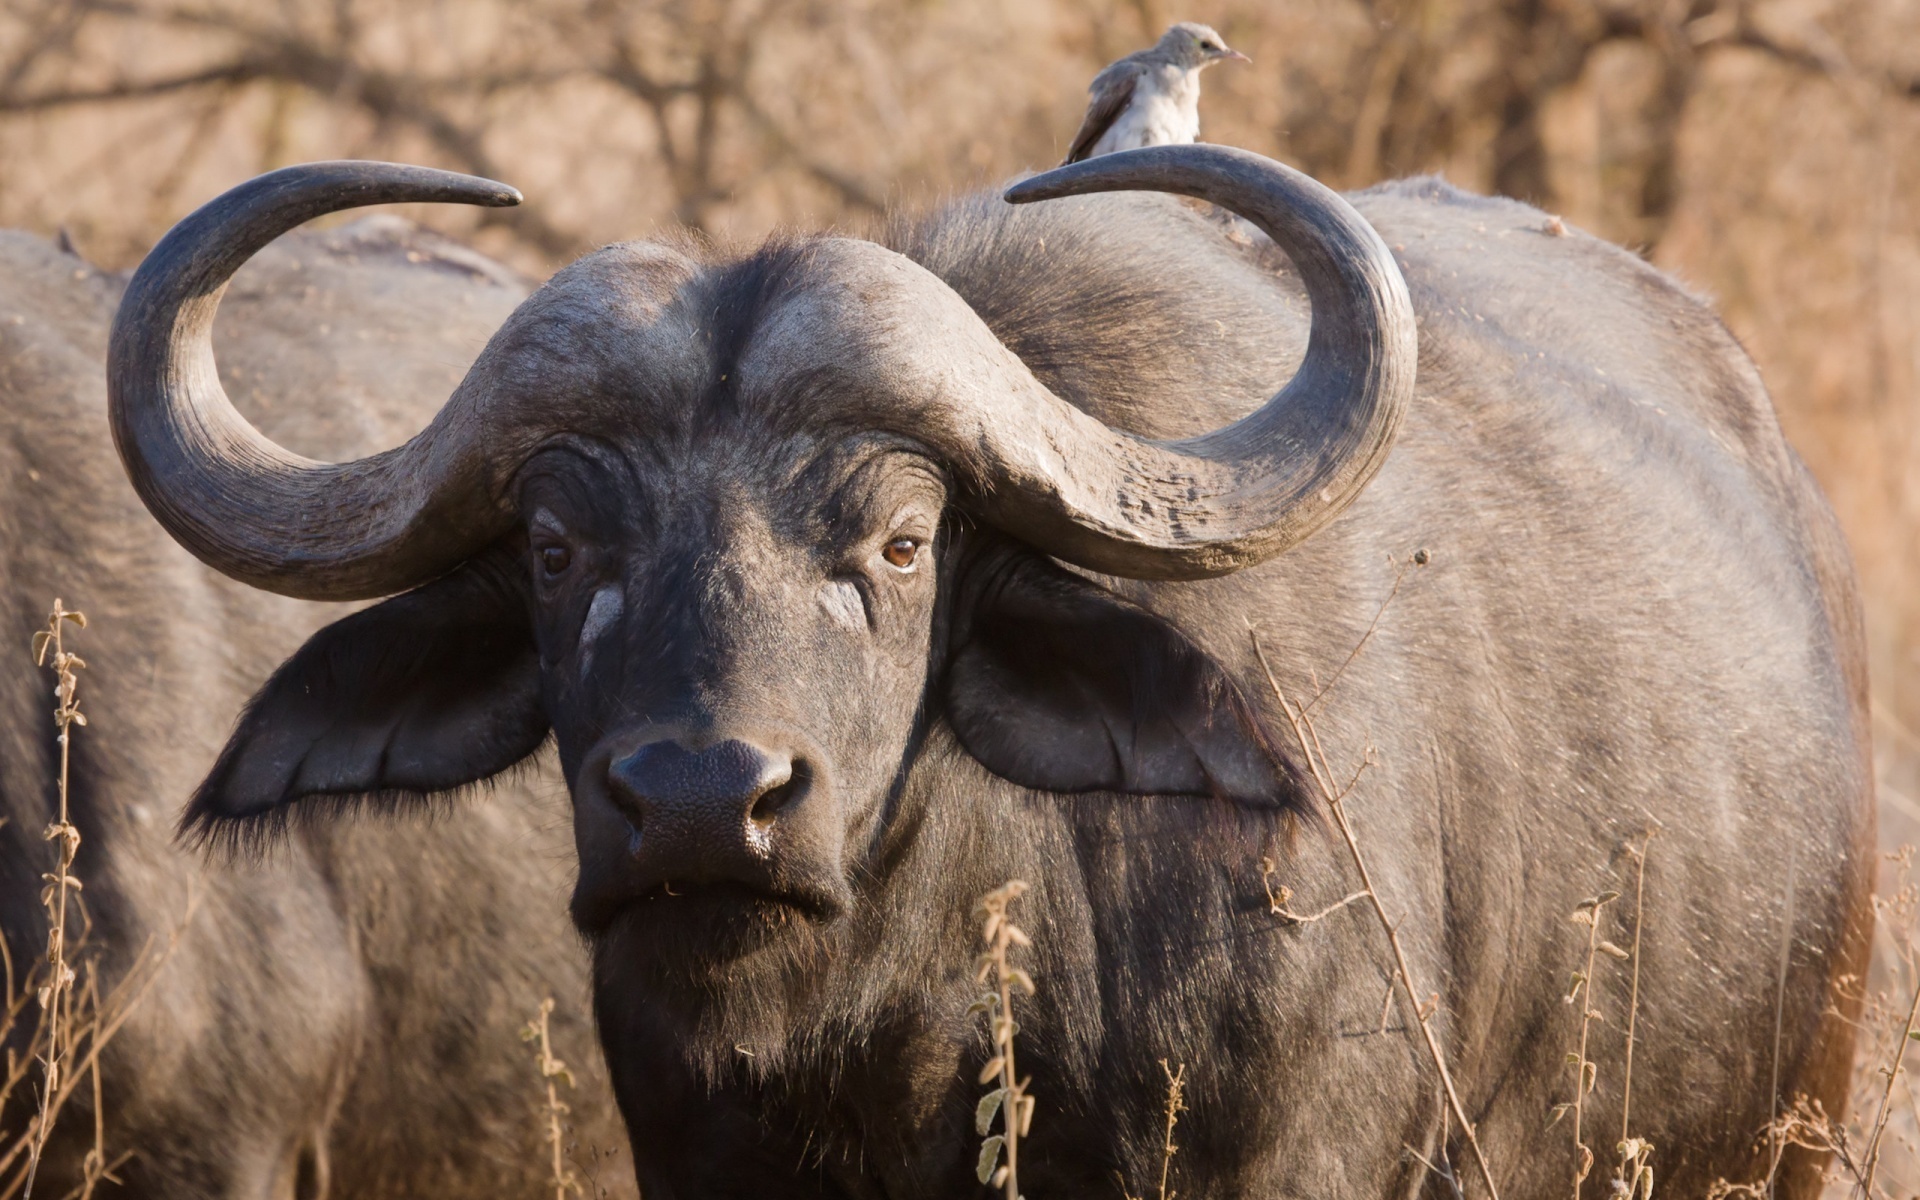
(1713, 32)
(231, 73)
(851, 190)
(389, 98)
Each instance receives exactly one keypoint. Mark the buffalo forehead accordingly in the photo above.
(642, 343)
(865, 336)
(606, 327)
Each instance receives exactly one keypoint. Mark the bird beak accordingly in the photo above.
(1234, 56)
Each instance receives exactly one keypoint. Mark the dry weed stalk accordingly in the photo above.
(91, 1022)
(1892, 1070)
(1010, 1100)
(72, 1021)
(56, 992)
(1176, 1104)
(1585, 1073)
(1806, 1125)
(1307, 735)
(1278, 895)
(552, 1070)
(1633, 1172)
(1633, 1175)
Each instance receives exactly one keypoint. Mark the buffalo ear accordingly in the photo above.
(429, 691)
(1055, 683)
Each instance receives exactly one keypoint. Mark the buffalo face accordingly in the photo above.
(733, 643)
(737, 627)
(739, 534)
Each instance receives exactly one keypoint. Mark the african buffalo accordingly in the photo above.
(853, 581)
(343, 1018)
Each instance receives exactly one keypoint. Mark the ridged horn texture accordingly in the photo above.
(1213, 504)
(243, 505)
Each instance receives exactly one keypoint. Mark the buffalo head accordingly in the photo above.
(738, 533)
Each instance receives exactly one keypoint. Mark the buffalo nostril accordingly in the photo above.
(768, 806)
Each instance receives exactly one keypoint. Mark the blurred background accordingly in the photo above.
(1767, 152)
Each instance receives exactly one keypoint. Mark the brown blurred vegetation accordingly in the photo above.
(1766, 151)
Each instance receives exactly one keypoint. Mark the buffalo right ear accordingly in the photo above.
(434, 689)
(1056, 683)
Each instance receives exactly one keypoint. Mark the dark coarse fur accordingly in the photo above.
(1637, 613)
(342, 1017)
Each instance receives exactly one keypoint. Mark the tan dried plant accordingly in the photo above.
(1587, 913)
(1855, 1148)
(1633, 1166)
(1176, 1104)
(1299, 715)
(1633, 1173)
(72, 1020)
(55, 993)
(1009, 1102)
(1804, 1125)
(552, 1073)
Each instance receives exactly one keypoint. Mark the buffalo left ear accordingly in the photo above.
(1056, 683)
(429, 691)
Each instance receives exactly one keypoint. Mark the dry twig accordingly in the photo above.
(1308, 737)
(55, 994)
(1585, 1073)
(72, 1022)
(1892, 1071)
(1279, 894)
(1176, 1104)
(1306, 734)
(1633, 1177)
(552, 1071)
(1010, 1101)
(1806, 1125)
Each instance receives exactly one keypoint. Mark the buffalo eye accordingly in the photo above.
(900, 553)
(554, 559)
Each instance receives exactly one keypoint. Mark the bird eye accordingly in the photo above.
(555, 559)
(900, 553)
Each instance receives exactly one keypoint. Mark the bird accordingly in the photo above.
(1151, 97)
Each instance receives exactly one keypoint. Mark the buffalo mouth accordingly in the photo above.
(725, 915)
(780, 906)
(675, 937)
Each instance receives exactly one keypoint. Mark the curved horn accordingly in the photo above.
(243, 505)
(1215, 503)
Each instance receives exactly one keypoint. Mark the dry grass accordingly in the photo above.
(553, 1072)
(1875, 1152)
(1009, 1102)
(68, 1020)
(1299, 715)
(55, 993)
(1176, 1104)
(1585, 1070)
(1633, 1175)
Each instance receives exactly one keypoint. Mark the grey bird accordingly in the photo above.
(1151, 97)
